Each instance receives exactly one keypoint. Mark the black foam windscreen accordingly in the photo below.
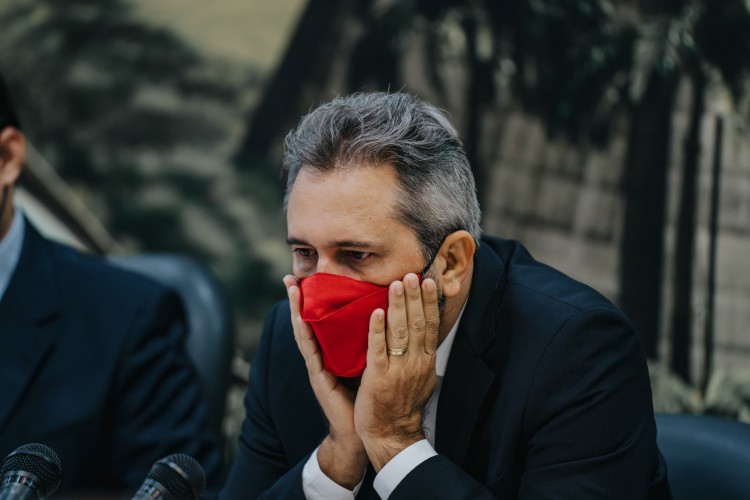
(39, 460)
(180, 474)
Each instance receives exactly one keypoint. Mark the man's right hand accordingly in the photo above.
(341, 455)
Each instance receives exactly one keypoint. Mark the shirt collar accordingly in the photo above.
(10, 249)
(444, 349)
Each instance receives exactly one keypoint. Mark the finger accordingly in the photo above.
(308, 346)
(293, 293)
(414, 313)
(431, 315)
(376, 345)
(397, 330)
(303, 334)
(290, 280)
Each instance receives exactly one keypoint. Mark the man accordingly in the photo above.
(92, 361)
(484, 374)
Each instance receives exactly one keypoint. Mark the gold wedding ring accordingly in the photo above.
(397, 352)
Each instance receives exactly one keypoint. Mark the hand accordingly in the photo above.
(342, 455)
(395, 389)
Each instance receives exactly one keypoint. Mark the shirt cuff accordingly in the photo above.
(402, 464)
(316, 485)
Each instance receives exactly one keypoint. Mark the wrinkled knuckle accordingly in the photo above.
(433, 323)
(418, 324)
(401, 332)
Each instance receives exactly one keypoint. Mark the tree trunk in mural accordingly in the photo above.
(682, 283)
(308, 59)
(708, 339)
(477, 100)
(644, 186)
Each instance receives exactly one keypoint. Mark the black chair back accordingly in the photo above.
(210, 338)
(707, 457)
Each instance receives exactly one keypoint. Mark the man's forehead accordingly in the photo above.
(356, 208)
(365, 193)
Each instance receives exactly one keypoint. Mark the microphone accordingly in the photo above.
(175, 477)
(32, 472)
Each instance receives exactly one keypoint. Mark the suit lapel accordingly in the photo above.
(27, 309)
(467, 376)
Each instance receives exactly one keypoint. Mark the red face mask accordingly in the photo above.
(338, 309)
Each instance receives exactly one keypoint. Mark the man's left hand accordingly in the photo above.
(400, 375)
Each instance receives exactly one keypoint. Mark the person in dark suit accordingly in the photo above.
(416, 358)
(92, 358)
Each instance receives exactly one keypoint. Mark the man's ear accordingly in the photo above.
(12, 152)
(458, 253)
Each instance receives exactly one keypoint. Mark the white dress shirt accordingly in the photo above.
(10, 250)
(316, 485)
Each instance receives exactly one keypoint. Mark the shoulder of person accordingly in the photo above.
(97, 276)
(541, 289)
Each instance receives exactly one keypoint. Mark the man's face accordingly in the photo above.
(342, 222)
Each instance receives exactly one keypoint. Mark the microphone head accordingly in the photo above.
(39, 460)
(180, 474)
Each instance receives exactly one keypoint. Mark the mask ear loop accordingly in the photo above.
(431, 261)
(424, 271)
(4, 200)
(427, 267)
(6, 189)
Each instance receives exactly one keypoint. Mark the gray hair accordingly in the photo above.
(439, 194)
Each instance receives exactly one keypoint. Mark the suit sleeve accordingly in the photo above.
(261, 468)
(589, 430)
(158, 409)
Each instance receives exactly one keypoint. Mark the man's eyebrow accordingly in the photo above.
(295, 241)
(352, 244)
(338, 244)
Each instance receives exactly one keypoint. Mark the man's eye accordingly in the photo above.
(357, 256)
(304, 252)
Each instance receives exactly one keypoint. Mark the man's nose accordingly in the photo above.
(330, 266)
(325, 265)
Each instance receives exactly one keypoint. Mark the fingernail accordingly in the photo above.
(398, 288)
(429, 286)
(412, 281)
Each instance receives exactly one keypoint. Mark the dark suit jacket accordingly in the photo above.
(92, 364)
(546, 395)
